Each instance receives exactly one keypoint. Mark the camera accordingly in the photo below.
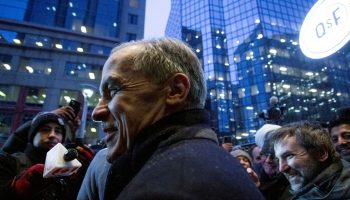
(75, 105)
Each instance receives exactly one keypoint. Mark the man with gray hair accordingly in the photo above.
(309, 161)
(155, 91)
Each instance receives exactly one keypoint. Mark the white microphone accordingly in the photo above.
(61, 162)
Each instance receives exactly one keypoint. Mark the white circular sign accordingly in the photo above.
(326, 28)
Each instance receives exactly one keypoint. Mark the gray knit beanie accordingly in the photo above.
(44, 118)
(239, 152)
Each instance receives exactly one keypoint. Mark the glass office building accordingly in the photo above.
(250, 52)
(51, 49)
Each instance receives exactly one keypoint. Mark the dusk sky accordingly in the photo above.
(157, 12)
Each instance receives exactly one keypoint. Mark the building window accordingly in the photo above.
(5, 62)
(5, 126)
(132, 19)
(83, 70)
(35, 97)
(134, 3)
(67, 95)
(130, 36)
(8, 94)
(35, 66)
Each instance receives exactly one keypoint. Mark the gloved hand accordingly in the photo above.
(30, 182)
(85, 154)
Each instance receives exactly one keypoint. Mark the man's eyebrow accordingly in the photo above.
(284, 154)
(111, 81)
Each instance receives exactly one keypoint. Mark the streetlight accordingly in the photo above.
(87, 91)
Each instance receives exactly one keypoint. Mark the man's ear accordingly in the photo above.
(179, 86)
(323, 155)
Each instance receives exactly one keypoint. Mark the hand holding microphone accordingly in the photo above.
(61, 162)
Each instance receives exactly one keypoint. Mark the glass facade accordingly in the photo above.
(250, 52)
(50, 49)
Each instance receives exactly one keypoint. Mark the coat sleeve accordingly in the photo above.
(17, 141)
(8, 168)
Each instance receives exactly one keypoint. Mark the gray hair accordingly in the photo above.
(159, 59)
(309, 135)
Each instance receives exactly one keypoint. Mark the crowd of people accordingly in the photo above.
(159, 143)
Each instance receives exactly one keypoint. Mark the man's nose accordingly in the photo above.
(100, 112)
(283, 166)
(53, 133)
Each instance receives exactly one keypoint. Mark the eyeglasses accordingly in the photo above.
(269, 156)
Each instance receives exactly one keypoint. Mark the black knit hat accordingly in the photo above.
(44, 118)
(342, 117)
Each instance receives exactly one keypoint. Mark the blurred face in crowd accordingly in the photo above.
(341, 139)
(48, 135)
(269, 164)
(256, 153)
(129, 98)
(298, 165)
(244, 161)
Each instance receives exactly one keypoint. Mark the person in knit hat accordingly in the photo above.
(243, 157)
(247, 163)
(42, 124)
(22, 172)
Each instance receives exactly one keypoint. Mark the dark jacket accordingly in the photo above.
(332, 183)
(178, 157)
(17, 141)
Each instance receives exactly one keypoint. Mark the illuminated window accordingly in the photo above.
(83, 70)
(241, 92)
(5, 62)
(8, 94)
(35, 66)
(35, 97)
(254, 90)
(67, 95)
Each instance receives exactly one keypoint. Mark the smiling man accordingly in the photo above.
(339, 128)
(155, 91)
(310, 163)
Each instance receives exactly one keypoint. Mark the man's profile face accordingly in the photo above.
(48, 135)
(341, 139)
(298, 165)
(132, 100)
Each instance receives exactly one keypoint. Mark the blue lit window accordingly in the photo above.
(83, 70)
(132, 19)
(130, 36)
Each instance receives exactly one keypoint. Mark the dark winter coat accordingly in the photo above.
(332, 183)
(178, 157)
